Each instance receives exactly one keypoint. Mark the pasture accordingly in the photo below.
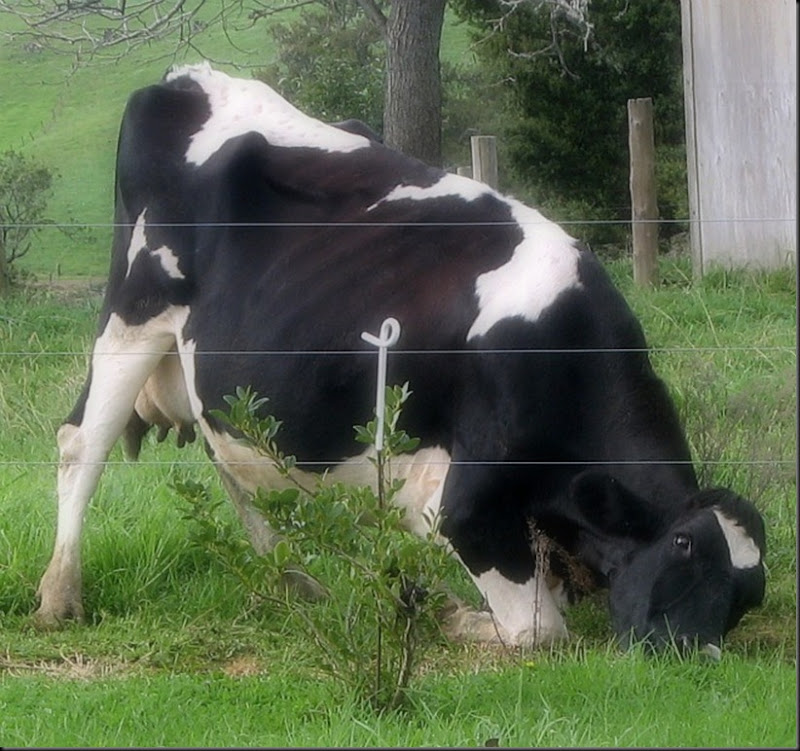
(174, 652)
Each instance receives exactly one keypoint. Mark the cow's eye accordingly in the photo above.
(683, 542)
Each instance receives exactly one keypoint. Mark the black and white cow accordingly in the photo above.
(248, 235)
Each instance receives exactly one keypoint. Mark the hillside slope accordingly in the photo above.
(68, 120)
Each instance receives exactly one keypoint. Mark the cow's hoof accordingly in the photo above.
(53, 619)
(303, 585)
(468, 625)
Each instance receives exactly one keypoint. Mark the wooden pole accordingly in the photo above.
(484, 159)
(644, 209)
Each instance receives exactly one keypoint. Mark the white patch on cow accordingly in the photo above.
(186, 349)
(138, 244)
(543, 265)
(743, 550)
(526, 612)
(169, 262)
(456, 186)
(240, 106)
(138, 241)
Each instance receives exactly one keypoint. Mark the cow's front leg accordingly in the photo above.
(123, 358)
(488, 533)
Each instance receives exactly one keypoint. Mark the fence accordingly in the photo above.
(781, 352)
(740, 89)
(644, 224)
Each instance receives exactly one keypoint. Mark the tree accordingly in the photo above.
(25, 189)
(413, 102)
(567, 133)
(411, 30)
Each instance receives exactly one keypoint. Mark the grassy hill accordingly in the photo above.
(68, 120)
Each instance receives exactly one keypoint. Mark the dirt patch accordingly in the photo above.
(72, 667)
(69, 290)
(243, 666)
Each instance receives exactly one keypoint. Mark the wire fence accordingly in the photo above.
(367, 353)
(757, 350)
(289, 224)
(787, 356)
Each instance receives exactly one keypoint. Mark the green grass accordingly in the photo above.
(580, 699)
(174, 652)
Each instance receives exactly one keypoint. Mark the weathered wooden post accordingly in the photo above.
(484, 159)
(644, 209)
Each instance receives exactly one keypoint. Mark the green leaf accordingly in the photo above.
(281, 553)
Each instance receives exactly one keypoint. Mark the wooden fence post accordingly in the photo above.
(644, 209)
(484, 159)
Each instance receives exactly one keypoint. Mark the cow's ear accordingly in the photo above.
(739, 510)
(605, 506)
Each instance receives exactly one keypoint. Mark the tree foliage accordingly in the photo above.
(25, 189)
(567, 117)
(330, 64)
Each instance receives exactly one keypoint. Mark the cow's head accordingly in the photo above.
(686, 582)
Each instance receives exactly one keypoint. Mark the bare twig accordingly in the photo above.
(569, 14)
(92, 28)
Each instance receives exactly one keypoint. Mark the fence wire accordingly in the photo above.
(399, 461)
(286, 224)
(398, 352)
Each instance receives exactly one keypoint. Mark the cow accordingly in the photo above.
(253, 245)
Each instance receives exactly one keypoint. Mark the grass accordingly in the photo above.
(584, 698)
(175, 654)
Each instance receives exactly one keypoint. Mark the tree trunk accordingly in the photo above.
(412, 117)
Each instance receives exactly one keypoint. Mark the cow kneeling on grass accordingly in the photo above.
(249, 235)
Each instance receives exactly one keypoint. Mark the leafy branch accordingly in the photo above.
(386, 591)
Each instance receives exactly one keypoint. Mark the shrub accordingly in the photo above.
(25, 189)
(367, 635)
